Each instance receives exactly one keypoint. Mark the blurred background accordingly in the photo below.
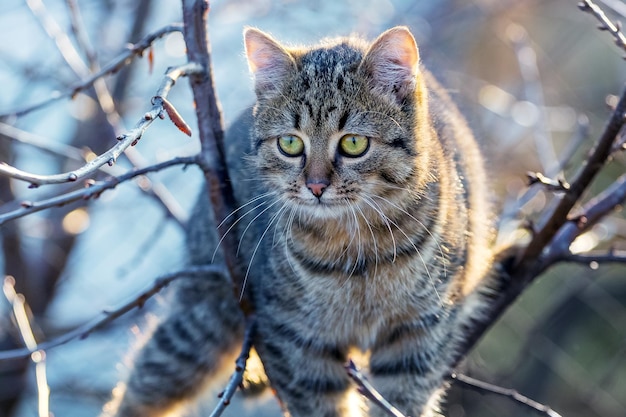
(534, 79)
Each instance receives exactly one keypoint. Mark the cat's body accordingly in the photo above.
(370, 233)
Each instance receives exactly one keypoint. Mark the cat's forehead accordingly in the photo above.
(327, 60)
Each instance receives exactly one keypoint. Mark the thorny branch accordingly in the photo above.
(124, 141)
(107, 317)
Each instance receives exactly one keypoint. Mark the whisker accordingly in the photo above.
(359, 243)
(369, 226)
(430, 278)
(237, 221)
(443, 258)
(232, 213)
(256, 248)
(253, 220)
(385, 219)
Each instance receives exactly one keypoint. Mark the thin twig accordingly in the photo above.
(91, 191)
(368, 390)
(115, 65)
(107, 317)
(549, 183)
(485, 387)
(605, 23)
(533, 89)
(60, 38)
(596, 258)
(42, 143)
(38, 356)
(589, 215)
(77, 26)
(579, 184)
(124, 141)
(236, 378)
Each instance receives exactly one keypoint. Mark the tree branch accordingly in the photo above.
(236, 378)
(124, 141)
(368, 391)
(586, 174)
(107, 317)
(595, 258)
(591, 213)
(122, 60)
(605, 24)
(485, 387)
(19, 307)
(519, 267)
(91, 191)
(211, 131)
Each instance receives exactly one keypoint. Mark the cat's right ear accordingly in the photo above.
(269, 62)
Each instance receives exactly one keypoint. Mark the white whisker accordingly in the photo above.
(256, 248)
(430, 278)
(443, 258)
(238, 220)
(369, 226)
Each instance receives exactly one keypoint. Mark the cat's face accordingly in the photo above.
(329, 139)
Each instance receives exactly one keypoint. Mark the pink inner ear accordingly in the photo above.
(268, 61)
(398, 45)
(393, 60)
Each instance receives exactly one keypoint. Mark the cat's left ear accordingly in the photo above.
(392, 63)
(269, 62)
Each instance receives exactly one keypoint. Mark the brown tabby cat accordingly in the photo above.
(364, 228)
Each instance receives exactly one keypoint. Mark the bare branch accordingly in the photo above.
(529, 70)
(38, 357)
(551, 184)
(43, 143)
(595, 259)
(236, 378)
(107, 317)
(77, 26)
(585, 175)
(211, 131)
(605, 24)
(485, 387)
(590, 214)
(368, 391)
(91, 191)
(122, 60)
(124, 141)
(60, 38)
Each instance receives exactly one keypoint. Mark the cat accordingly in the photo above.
(365, 229)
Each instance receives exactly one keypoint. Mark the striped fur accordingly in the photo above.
(382, 255)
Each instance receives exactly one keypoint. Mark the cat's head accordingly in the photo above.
(335, 125)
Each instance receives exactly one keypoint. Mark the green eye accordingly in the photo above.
(291, 145)
(353, 145)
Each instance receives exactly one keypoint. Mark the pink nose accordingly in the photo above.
(317, 188)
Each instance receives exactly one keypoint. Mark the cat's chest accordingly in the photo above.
(354, 310)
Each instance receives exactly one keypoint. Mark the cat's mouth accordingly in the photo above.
(325, 206)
